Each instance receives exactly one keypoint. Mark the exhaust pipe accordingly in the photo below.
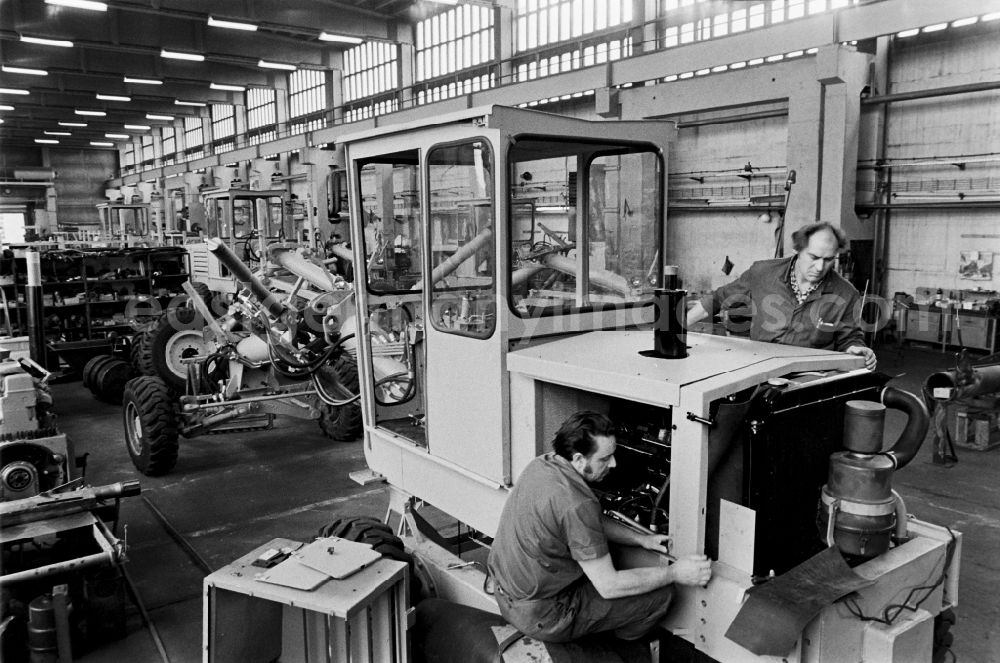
(245, 277)
(906, 447)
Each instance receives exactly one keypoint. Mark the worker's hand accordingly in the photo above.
(655, 542)
(867, 353)
(692, 570)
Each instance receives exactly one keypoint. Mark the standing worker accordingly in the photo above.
(799, 300)
(555, 580)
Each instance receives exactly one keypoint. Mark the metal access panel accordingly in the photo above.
(359, 619)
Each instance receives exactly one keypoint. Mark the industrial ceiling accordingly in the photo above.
(149, 58)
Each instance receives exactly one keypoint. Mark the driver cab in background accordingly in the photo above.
(247, 221)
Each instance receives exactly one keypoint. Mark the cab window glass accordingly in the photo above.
(390, 209)
(462, 239)
(584, 226)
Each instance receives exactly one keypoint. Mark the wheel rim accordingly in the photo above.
(182, 345)
(134, 423)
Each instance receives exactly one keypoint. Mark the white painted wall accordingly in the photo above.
(924, 246)
(699, 242)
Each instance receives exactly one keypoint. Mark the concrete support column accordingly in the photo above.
(644, 37)
(280, 85)
(407, 71)
(240, 122)
(823, 122)
(335, 94)
(503, 22)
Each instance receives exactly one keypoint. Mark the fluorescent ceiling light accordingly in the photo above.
(137, 127)
(142, 81)
(1, 120)
(117, 136)
(178, 102)
(231, 88)
(80, 4)
(23, 70)
(12, 90)
(65, 43)
(340, 39)
(177, 55)
(908, 33)
(72, 124)
(936, 27)
(90, 112)
(264, 64)
(990, 17)
(47, 141)
(5, 107)
(101, 143)
(112, 97)
(962, 22)
(232, 25)
(152, 116)
(57, 133)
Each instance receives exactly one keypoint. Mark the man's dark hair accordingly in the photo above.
(800, 238)
(577, 433)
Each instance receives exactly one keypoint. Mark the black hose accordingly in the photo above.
(906, 447)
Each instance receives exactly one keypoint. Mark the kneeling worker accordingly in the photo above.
(555, 580)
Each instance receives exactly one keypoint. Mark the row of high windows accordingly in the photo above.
(455, 53)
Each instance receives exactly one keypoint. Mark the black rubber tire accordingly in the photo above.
(177, 334)
(140, 355)
(93, 364)
(150, 416)
(204, 292)
(343, 423)
(108, 381)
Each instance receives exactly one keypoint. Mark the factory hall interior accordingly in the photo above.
(481, 331)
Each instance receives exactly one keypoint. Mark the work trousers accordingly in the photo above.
(579, 610)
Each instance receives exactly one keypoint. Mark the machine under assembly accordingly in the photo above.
(62, 591)
(514, 276)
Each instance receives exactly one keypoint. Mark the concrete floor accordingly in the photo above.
(231, 493)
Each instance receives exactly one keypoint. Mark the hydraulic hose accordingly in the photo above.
(908, 444)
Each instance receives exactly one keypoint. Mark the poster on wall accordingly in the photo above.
(976, 265)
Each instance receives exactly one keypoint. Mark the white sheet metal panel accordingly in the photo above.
(608, 362)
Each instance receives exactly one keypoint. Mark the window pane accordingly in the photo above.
(390, 200)
(463, 253)
(621, 247)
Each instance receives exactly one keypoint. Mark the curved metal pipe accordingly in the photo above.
(906, 447)
(980, 380)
